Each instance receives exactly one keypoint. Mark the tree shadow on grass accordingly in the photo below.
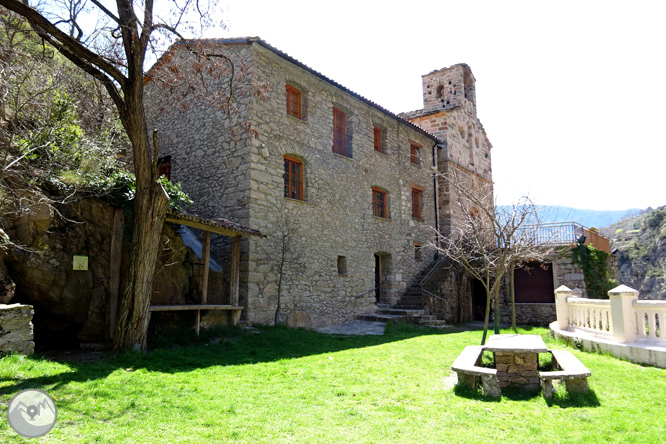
(182, 351)
(561, 398)
(564, 399)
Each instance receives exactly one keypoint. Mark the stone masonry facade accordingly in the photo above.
(341, 244)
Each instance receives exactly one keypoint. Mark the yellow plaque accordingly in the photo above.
(81, 262)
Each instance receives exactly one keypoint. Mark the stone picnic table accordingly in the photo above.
(517, 363)
(517, 359)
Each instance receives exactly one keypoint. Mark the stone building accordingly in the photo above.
(342, 188)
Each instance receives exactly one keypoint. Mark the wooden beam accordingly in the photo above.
(193, 307)
(114, 267)
(205, 256)
(204, 227)
(234, 275)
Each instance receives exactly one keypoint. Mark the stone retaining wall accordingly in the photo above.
(16, 329)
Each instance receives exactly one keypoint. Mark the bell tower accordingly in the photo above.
(447, 87)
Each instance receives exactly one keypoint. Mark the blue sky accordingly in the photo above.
(571, 93)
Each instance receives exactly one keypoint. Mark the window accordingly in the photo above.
(342, 265)
(293, 102)
(377, 139)
(379, 204)
(415, 153)
(417, 196)
(164, 167)
(293, 178)
(341, 141)
(417, 251)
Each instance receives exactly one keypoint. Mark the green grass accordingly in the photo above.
(296, 386)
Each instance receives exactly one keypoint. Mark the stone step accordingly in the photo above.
(433, 323)
(373, 317)
(399, 311)
(407, 307)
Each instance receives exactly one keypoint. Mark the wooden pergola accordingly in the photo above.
(208, 226)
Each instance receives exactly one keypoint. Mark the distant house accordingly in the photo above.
(350, 183)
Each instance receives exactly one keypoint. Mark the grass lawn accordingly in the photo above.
(283, 386)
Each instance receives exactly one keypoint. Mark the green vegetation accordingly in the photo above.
(283, 385)
(594, 263)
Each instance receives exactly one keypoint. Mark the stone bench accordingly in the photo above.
(570, 370)
(468, 370)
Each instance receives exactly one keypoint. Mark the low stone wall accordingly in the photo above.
(531, 314)
(16, 329)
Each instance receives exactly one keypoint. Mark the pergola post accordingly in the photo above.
(205, 256)
(234, 278)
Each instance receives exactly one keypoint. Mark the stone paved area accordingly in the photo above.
(355, 328)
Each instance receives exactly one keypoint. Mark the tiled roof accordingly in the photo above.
(263, 43)
(216, 224)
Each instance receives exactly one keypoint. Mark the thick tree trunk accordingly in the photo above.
(134, 314)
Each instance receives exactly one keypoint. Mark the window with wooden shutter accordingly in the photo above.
(377, 139)
(417, 195)
(339, 135)
(293, 178)
(379, 203)
(415, 153)
(293, 102)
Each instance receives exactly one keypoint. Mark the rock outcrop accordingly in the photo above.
(16, 333)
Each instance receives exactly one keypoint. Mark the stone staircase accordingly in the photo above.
(408, 308)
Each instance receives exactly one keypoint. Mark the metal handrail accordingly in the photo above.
(433, 294)
(363, 294)
(432, 270)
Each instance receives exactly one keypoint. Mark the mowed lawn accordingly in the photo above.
(282, 385)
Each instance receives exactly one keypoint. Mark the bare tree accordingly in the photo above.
(488, 242)
(114, 52)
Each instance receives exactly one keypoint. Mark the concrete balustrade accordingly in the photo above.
(622, 325)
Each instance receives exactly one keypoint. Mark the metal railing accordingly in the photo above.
(363, 294)
(563, 233)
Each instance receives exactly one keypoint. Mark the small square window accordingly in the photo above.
(293, 102)
(342, 264)
(418, 251)
(379, 203)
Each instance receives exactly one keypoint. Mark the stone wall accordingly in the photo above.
(334, 222)
(16, 329)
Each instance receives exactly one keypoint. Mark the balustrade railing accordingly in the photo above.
(651, 318)
(592, 315)
(623, 318)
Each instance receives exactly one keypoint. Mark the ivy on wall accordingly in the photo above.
(594, 263)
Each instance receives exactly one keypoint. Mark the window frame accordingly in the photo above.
(377, 139)
(289, 184)
(415, 153)
(293, 92)
(417, 204)
(377, 209)
(164, 167)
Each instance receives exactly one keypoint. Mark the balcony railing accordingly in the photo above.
(564, 233)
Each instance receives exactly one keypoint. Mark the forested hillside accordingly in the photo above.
(640, 242)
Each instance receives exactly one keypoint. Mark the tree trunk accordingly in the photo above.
(513, 300)
(134, 315)
(486, 318)
(497, 311)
